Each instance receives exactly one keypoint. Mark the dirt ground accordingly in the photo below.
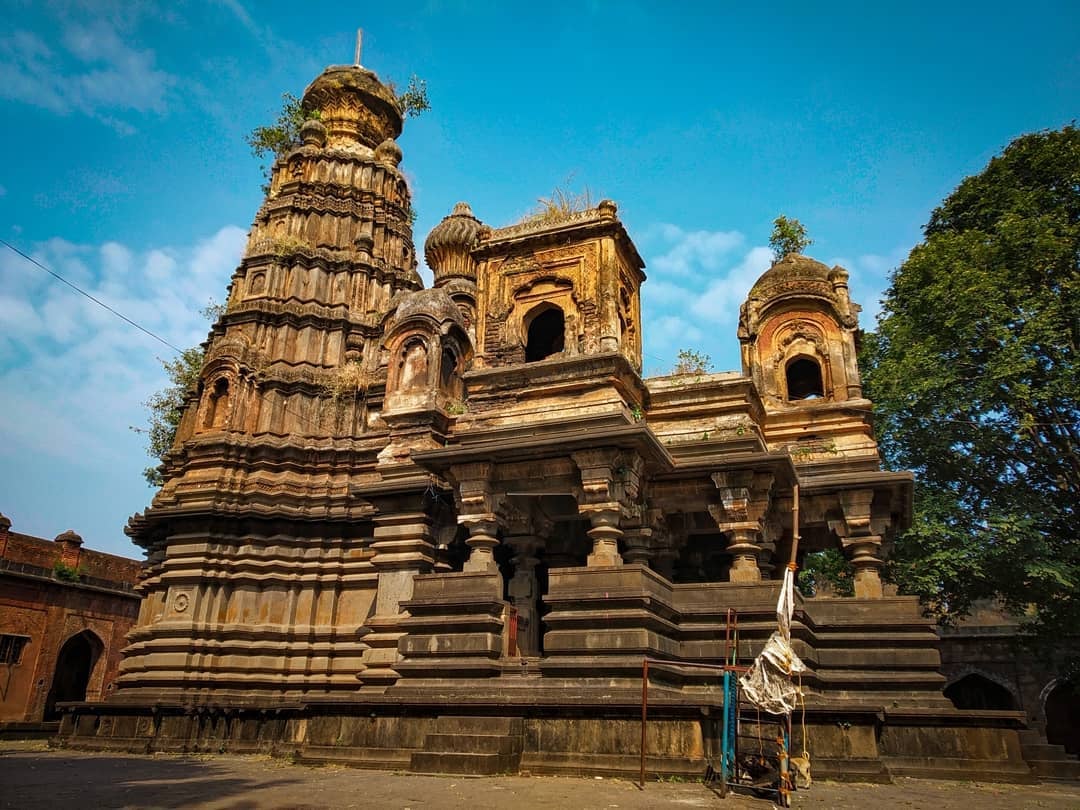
(33, 777)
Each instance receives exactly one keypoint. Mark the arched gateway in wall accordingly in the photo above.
(75, 665)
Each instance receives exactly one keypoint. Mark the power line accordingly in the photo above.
(305, 420)
(85, 294)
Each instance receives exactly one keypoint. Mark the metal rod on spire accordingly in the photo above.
(359, 45)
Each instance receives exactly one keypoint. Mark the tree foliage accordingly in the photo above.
(974, 375)
(414, 100)
(284, 134)
(788, 236)
(167, 407)
(827, 570)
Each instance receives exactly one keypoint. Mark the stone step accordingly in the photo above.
(473, 743)
(1055, 769)
(1045, 752)
(500, 726)
(390, 759)
(458, 762)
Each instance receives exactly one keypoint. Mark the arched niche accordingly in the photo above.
(545, 332)
(413, 365)
(217, 397)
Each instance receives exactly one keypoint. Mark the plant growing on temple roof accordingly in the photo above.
(788, 236)
(975, 378)
(559, 207)
(689, 361)
(284, 134)
(414, 100)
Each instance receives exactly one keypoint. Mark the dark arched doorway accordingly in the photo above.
(1063, 717)
(977, 692)
(547, 335)
(73, 668)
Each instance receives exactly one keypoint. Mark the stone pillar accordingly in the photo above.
(638, 545)
(610, 482)
(744, 552)
(483, 537)
(476, 512)
(605, 534)
(864, 553)
(524, 593)
(745, 497)
(404, 547)
(860, 539)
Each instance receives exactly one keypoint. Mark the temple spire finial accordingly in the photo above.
(359, 45)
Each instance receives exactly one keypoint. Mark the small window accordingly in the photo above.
(547, 335)
(11, 648)
(804, 379)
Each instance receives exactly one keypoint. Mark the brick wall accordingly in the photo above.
(49, 611)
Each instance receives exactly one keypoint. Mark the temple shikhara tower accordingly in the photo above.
(440, 528)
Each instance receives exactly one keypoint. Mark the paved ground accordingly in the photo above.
(32, 777)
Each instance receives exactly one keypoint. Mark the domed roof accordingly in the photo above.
(447, 248)
(340, 92)
(787, 274)
(433, 303)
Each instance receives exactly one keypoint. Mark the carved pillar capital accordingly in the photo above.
(745, 498)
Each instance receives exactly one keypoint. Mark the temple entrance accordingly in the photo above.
(74, 666)
(977, 692)
(1062, 710)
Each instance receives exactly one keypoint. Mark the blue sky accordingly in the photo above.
(128, 173)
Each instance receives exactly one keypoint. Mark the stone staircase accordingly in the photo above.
(471, 745)
(1047, 761)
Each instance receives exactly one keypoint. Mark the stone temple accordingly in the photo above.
(439, 529)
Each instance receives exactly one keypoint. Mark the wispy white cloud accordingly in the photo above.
(720, 301)
(692, 251)
(92, 68)
(74, 375)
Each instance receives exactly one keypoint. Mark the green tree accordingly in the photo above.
(788, 236)
(973, 371)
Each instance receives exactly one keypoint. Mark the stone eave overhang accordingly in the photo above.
(568, 437)
(559, 375)
(718, 459)
(900, 485)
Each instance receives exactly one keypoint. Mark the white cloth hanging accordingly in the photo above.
(768, 683)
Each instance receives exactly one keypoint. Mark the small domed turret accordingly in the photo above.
(448, 248)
